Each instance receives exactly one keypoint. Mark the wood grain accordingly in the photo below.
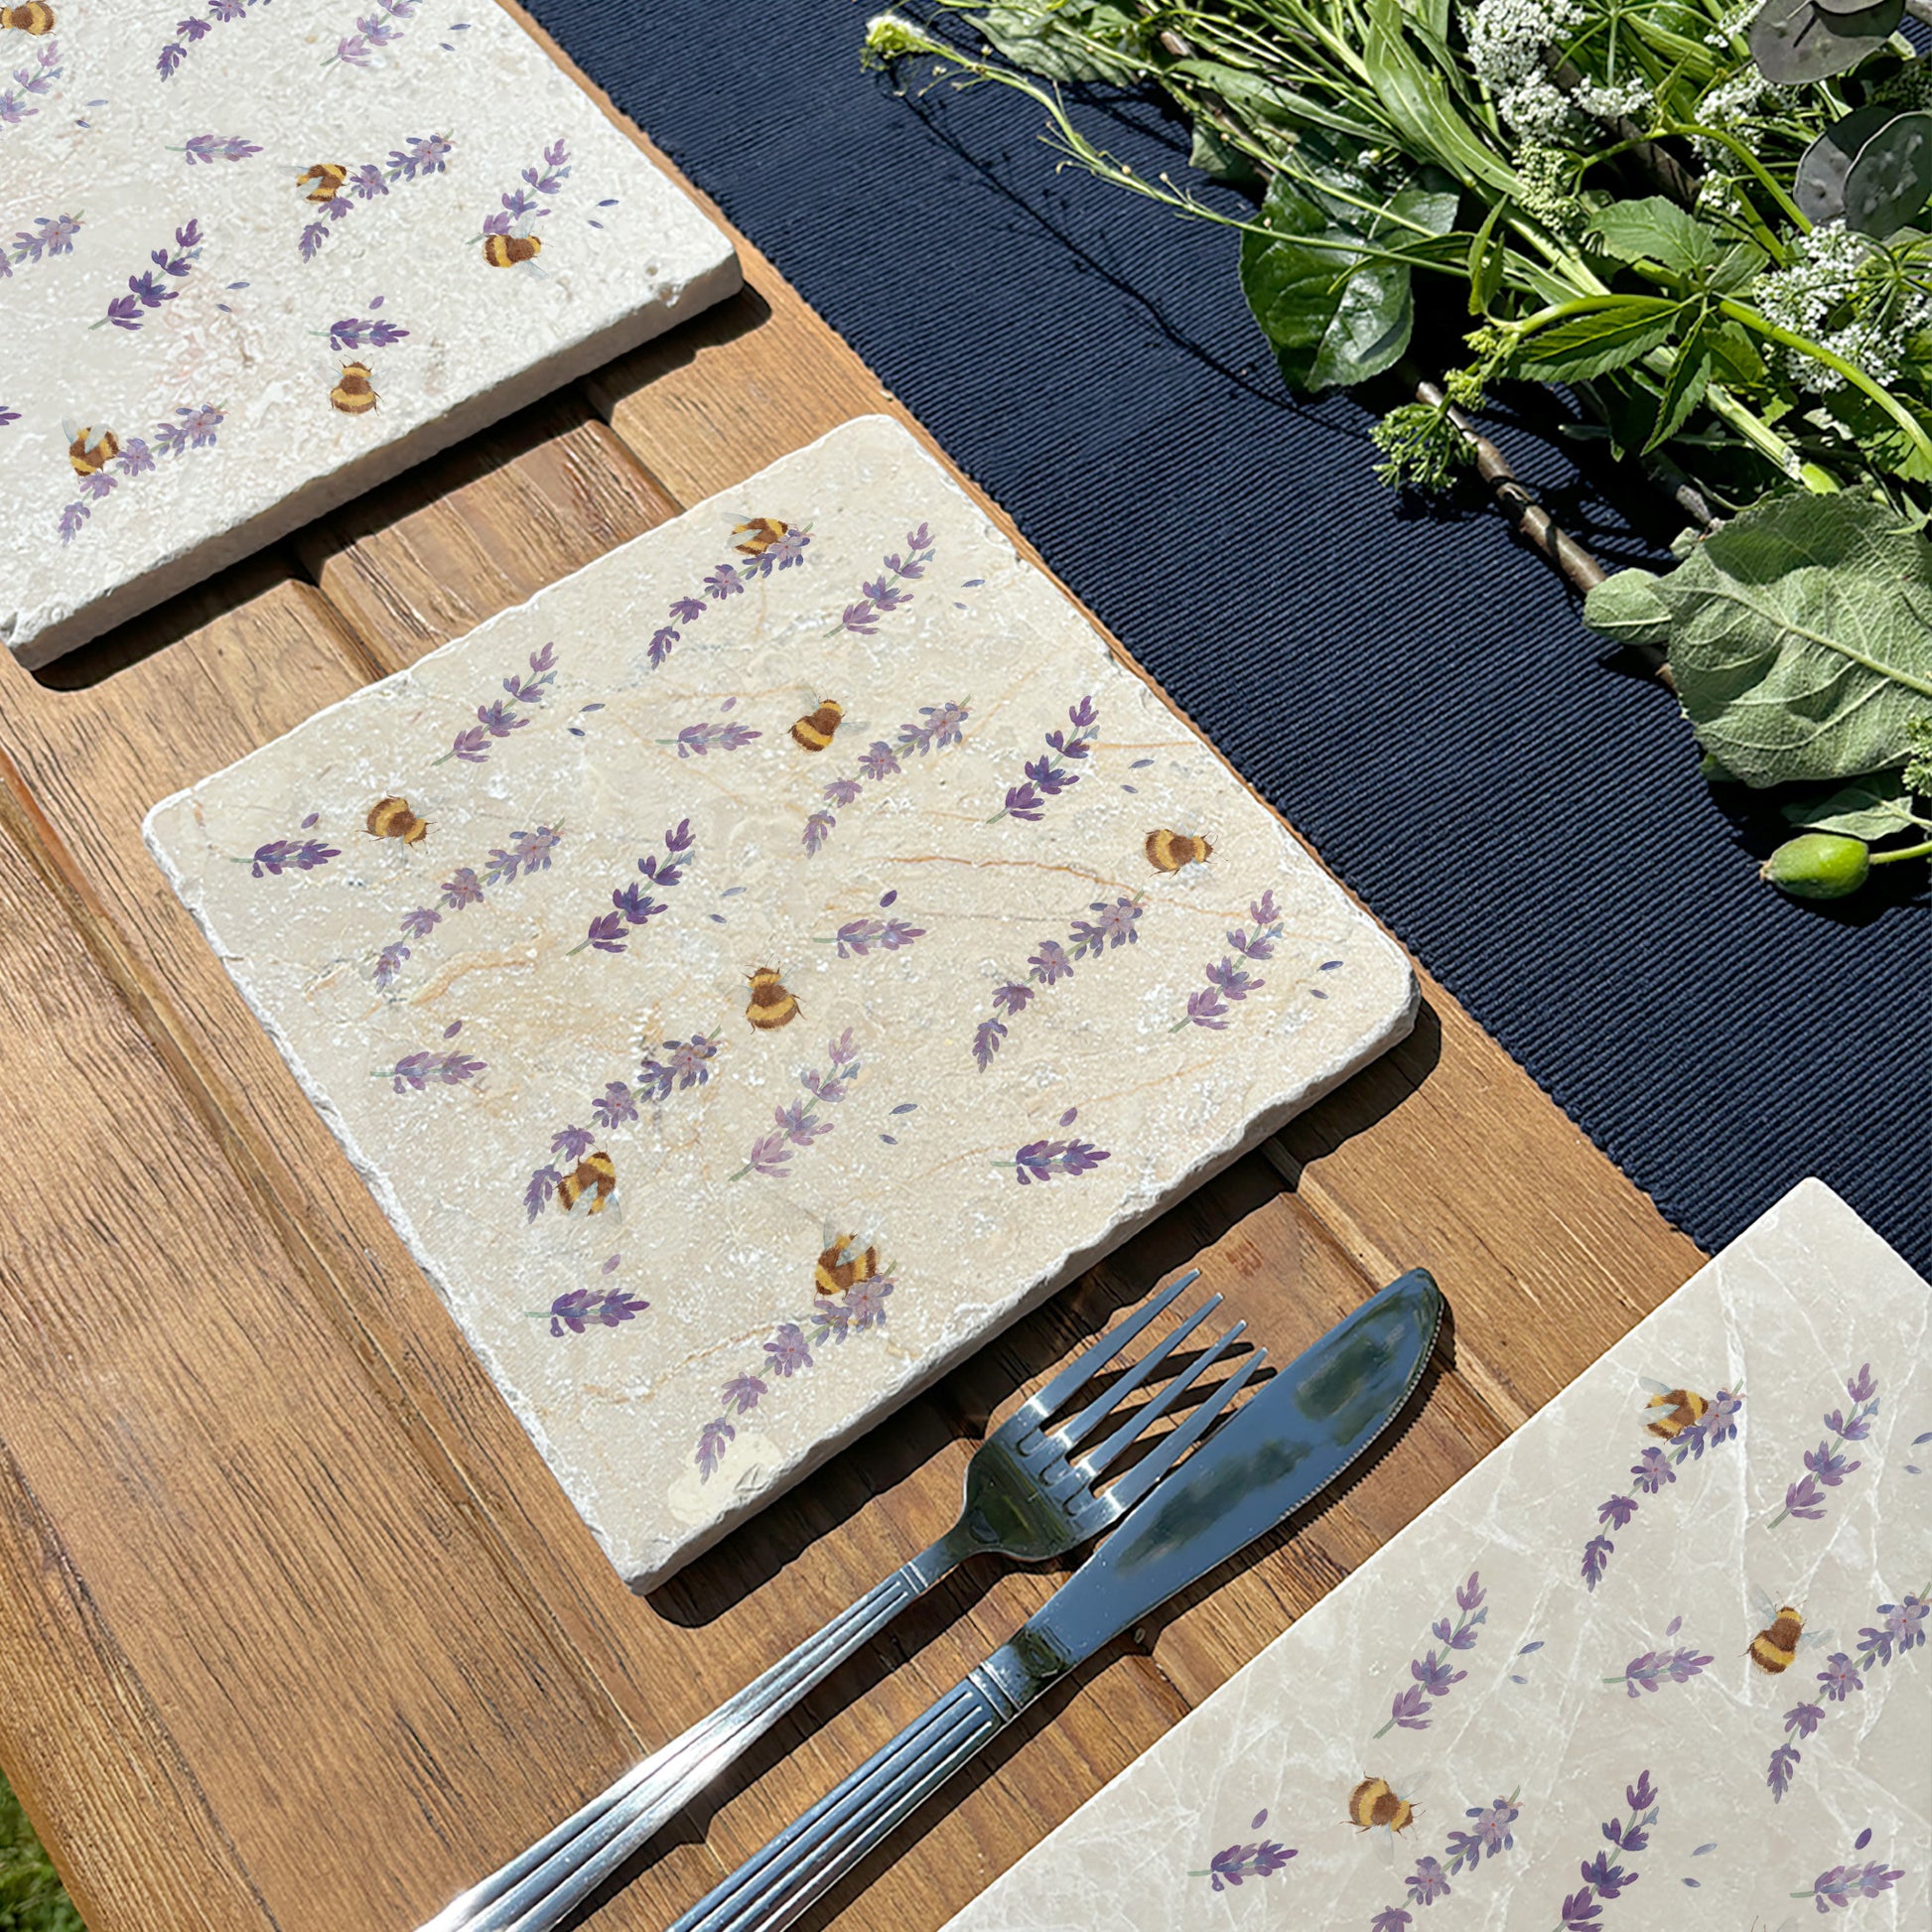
(300, 1631)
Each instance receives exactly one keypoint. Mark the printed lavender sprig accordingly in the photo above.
(1431, 1672)
(1655, 1668)
(633, 906)
(374, 31)
(419, 1071)
(194, 28)
(799, 1123)
(526, 853)
(1042, 777)
(606, 1308)
(707, 735)
(1835, 1890)
(271, 860)
(50, 235)
(1656, 1469)
(31, 83)
(1489, 1837)
(419, 157)
(1239, 1862)
(500, 717)
(1227, 981)
(936, 726)
(147, 290)
(518, 209)
(1116, 925)
(858, 1311)
(1040, 1161)
(857, 938)
(1605, 1878)
(210, 148)
(1827, 1466)
(728, 580)
(883, 595)
(1900, 1627)
(677, 1065)
(8, 415)
(188, 429)
(358, 333)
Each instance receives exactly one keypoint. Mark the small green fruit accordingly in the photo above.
(1818, 865)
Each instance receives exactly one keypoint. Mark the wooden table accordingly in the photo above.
(297, 1630)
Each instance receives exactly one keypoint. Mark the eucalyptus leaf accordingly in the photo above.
(1892, 178)
(1335, 314)
(1797, 39)
(1818, 188)
(1624, 330)
(1799, 633)
(1876, 807)
(1654, 230)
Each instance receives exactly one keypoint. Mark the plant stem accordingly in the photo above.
(1903, 851)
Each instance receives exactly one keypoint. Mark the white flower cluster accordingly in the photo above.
(1508, 41)
(1733, 23)
(1823, 287)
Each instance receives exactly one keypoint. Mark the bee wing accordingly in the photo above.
(1763, 1605)
(1389, 1848)
(1812, 1638)
(1654, 1387)
(70, 429)
(1413, 1788)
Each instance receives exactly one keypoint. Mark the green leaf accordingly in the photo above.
(1800, 638)
(1876, 807)
(1654, 230)
(1881, 438)
(1335, 314)
(1684, 387)
(1487, 259)
(1626, 606)
(1045, 36)
(1624, 330)
(1416, 100)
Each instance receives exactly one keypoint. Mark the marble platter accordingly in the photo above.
(258, 255)
(729, 1082)
(1571, 1670)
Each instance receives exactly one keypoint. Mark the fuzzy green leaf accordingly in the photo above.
(1876, 807)
(1334, 314)
(1800, 638)
(1624, 330)
(1654, 230)
(1626, 606)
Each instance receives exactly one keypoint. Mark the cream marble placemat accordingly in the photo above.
(1542, 1696)
(258, 257)
(767, 962)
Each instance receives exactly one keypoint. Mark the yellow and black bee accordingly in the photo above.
(1677, 1410)
(327, 178)
(391, 818)
(356, 394)
(90, 448)
(771, 1004)
(1775, 1649)
(594, 1176)
(1372, 1804)
(1169, 851)
(506, 250)
(758, 535)
(844, 1265)
(32, 18)
(813, 732)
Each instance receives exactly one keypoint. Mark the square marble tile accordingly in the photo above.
(767, 962)
(258, 257)
(1635, 1670)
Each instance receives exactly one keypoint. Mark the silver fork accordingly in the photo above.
(1028, 1496)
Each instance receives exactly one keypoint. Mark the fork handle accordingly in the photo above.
(777, 1885)
(540, 1886)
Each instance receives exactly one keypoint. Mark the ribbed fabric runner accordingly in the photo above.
(1412, 689)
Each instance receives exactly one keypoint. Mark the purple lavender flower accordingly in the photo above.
(285, 855)
(616, 1106)
(741, 1395)
(420, 156)
(688, 609)
(770, 1155)
(987, 1036)
(1049, 963)
(1597, 1559)
(818, 828)
(53, 235)
(1012, 998)
(210, 148)
(353, 332)
(940, 727)
(420, 924)
(787, 1350)
(723, 582)
(8, 415)
(1432, 1676)
(800, 1125)
(73, 518)
(842, 793)
(414, 1072)
(1609, 1879)
(1617, 1511)
(686, 1063)
(1580, 1911)
(1043, 779)
(1655, 1668)
(856, 937)
(1825, 1466)
(99, 487)
(1409, 1710)
(37, 79)
(1225, 980)
(866, 1302)
(461, 889)
(1428, 1882)
(1233, 982)
(1804, 1719)
(1433, 1673)
(135, 459)
(1837, 1888)
(1783, 1767)
(1828, 1466)
(1391, 1919)
(1236, 1864)
(572, 1142)
(1903, 1628)
(712, 1439)
(605, 934)
(389, 963)
(1652, 1472)
(1113, 928)
(1839, 1677)
(367, 181)
(878, 762)
(697, 740)
(1041, 1159)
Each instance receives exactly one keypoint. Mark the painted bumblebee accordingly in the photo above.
(391, 818)
(323, 182)
(844, 1265)
(1775, 1648)
(813, 732)
(758, 535)
(506, 250)
(89, 449)
(1373, 1805)
(596, 1176)
(1676, 1410)
(771, 1004)
(1169, 851)
(355, 393)
(34, 19)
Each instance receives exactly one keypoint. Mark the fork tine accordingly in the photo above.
(1097, 1460)
(1085, 1366)
(1145, 1473)
(1070, 1434)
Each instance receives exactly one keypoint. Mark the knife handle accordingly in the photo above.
(775, 1886)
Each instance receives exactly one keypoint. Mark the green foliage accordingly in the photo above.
(32, 1898)
(1876, 808)
(1655, 231)
(1800, 636)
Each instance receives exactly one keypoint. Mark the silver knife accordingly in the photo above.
(1282, 1448)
